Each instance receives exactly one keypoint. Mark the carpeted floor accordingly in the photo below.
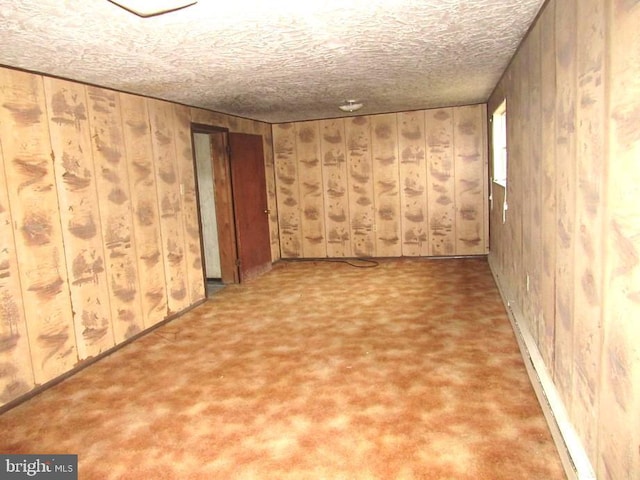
(316, 370)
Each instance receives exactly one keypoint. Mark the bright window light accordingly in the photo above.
(499, 145)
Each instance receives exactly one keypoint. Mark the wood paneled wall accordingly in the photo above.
(400, 184)
(99, 227)
(567, 257)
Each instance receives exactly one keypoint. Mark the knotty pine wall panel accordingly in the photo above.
(590, 174)
(144, 202)
(310, 181)
(587, 191)
(470, 171)
(335, 190)
(546, 339)
(193, 248)
(534, 133)
(116, 218)
(288, 191)
(361, 190)
(26, 148)
(16, 371)
(391, 185)
(82, 264)
(514, 185)
(170, 203)
(413, 190)
(386, 175)
(565, 191)
(81, 226)
(441, 182)
(523, 171)
(619, 390)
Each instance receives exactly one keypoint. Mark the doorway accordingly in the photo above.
(215, 205)
(232, 204)
(208, 220)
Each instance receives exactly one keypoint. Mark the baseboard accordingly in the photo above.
(572, 453)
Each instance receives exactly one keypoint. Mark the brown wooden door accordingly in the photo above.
(250, 204)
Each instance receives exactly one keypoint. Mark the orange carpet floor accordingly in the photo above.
(316, 370)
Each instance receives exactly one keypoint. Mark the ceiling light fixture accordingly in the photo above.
(145, 8)
(350, 106)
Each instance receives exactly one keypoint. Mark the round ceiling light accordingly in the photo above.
(145, 8)
(350, 106)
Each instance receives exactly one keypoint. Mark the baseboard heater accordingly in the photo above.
(572, 453)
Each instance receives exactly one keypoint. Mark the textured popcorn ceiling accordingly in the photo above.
(276, 60)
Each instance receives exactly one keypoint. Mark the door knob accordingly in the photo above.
(267, 211)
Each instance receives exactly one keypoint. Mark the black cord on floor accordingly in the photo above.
(368, 263)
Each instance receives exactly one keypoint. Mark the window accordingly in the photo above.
(499, 144)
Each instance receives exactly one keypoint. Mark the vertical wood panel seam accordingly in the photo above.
(59, 218)
(133, 223)
(425, 173)
(19, 277)
(606, 216)
(158, 206)
(349, 251)
(275, 191)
